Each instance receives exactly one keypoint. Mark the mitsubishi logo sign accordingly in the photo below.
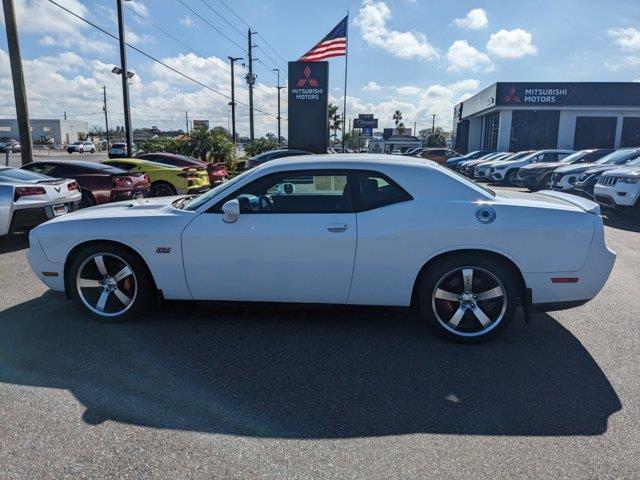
(303, 81)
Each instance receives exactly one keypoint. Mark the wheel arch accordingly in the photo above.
(163, 182)
(470, 251)
(70, 255)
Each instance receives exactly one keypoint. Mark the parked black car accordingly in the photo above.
(453, 162)
(272, 155)
(536, 176)
(587, 180)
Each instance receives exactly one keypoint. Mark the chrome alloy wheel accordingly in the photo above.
(469, 301)
(106, 284)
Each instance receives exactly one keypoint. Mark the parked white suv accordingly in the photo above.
(620, 188)
(507, 172)
(81, 147)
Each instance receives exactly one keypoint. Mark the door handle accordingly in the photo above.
(337, 227)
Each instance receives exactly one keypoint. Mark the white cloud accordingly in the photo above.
(187, 21)
(476, 19)
(462, 56)
(511, 43)
(625, 38)
(372, 20)
(138, 7)
(408, 90)
(372, 87)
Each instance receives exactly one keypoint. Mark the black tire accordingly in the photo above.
(142, 294)
(93, 150)
(87, 199)
(162, 189)
(510, 178)
(444, 276)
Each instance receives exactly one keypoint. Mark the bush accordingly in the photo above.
(260, 145)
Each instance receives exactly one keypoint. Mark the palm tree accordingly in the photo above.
(335, 121)
(397, 117)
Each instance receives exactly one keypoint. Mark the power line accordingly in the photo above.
(170, 35)
(151, 57)
(234, 13)
(272, 49)
(223, 18)
(212, 26)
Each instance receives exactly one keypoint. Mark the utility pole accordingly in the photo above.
(233, 98)
(106, 117)
(125, 78)
(19, 89)
(279, 88)
(251, 79)
(433, 123)
(65, 114)
(415, 131)
(186, 121)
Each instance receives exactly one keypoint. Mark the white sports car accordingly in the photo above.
(29, 198)
(357, 230)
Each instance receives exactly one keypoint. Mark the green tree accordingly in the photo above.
(335, 121)
(433, 138)
(397, 118)
(259, 145)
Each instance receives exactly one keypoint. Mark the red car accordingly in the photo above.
(99, 183)
(217, 172)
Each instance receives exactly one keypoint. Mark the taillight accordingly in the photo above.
(188, 173)
(72, 186)
(28, 191)
(146, 178)
(122, 180)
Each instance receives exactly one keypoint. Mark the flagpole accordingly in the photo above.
(344, 107)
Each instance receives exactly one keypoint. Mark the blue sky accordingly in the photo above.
(417, 56)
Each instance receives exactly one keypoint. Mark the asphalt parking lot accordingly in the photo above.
(201, 390)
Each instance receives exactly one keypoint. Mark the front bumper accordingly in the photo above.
(618, 195)
(585, 189)
(530, 181)
(49, 273)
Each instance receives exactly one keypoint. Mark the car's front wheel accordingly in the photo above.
(110, 283)
(511, 177)
(468, 298)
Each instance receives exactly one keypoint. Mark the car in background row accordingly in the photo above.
(507, 172)
(165, 180)
(565, 178)
(481, 171)
(119, 150)
(619, 188)
(469, 167)
(217, 172)
(586, 182)
(81, 147)
(10, 143)
(272, 155)
(489, 156)
(27, 199)
(439, 155)
(453, 162)
(539, 175)
(98, 183)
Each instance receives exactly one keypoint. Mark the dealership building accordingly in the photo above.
(61, 131)
(515, 116)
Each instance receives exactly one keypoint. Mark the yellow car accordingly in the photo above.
(166, 180)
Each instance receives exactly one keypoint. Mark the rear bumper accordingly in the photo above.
(25, 218)
(120, 196)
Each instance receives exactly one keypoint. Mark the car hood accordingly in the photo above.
(600, 169)
(143, 207)
(577, 168)
(542, 166)
(633, 171)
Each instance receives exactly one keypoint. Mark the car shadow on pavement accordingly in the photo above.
(306, 372)
(622, 222)
(14, 242)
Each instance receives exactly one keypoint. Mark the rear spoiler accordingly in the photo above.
(585, 204)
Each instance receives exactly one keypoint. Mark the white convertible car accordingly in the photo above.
(356, 230)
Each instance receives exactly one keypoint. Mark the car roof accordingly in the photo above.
(349, 160)
(141, 162)
(75, 163)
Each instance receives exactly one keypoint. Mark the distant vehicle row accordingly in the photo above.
(610, 177)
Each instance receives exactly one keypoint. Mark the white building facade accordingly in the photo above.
(61, 131)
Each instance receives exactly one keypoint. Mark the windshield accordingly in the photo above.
(202, 199)
(574, 157)
(21, 175)
(516, 156)
(616, 158)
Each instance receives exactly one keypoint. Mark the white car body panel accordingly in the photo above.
(57, 192)
(499, 171)
(375, 261)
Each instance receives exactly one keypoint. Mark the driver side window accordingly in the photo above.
(297, 192)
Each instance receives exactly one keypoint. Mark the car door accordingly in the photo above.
(294, 241)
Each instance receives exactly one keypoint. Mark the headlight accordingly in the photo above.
(629, 179)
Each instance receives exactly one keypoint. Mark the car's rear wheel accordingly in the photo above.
(87, 199)
(468, 298)
(162, 189)
(110, 283)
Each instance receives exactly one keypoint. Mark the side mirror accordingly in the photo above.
(231, 210)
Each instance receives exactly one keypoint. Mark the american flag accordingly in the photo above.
(333, 45)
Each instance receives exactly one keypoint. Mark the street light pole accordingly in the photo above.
(106, 118)
(251, 79)
(125, 83)
(233, 98)
(19, 89)
(279, 88)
